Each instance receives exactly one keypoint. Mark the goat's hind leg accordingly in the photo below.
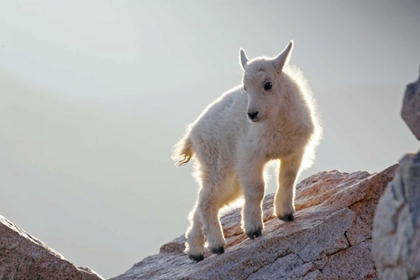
(205, 223)
(208, 206)
(195, 237)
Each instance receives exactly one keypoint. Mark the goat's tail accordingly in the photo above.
(183, 151)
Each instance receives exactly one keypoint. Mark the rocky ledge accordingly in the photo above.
(23, 257)
(329, 239)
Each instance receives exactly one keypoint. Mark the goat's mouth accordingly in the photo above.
(256, 120)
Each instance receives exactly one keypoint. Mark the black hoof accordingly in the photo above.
(197, 258)
(218, 251)
(254, 234)
(287, 218)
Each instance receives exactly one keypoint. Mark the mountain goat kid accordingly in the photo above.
(270, 117)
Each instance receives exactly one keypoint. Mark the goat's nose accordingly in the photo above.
(252, 115)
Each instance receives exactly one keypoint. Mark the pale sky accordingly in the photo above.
(94, 94)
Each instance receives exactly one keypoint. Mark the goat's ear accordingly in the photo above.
(243, 59)
(283, 58)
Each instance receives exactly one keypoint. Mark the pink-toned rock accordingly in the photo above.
(23, 257)
(329, 239)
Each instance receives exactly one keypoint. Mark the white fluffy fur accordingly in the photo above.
(231, 151)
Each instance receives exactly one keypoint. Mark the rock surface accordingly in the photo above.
(329, 239)
(411, 107)
(22, 256)
(396, 232)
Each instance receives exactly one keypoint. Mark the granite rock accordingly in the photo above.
(23, 257)
(396, 232)
(329, 239)
(411, 107)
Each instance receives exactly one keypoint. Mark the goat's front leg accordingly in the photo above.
(284, 201)
(252, 180)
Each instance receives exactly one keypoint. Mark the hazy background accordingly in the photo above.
(93, 95)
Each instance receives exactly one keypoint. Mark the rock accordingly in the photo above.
(411, 107)
(22, 256)
(329, 239)
(396, 231)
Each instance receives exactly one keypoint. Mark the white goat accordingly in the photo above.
(232, 148)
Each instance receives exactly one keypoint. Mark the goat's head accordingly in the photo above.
(261, 83)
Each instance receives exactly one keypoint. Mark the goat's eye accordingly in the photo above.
(268, 85)
(244, 88)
